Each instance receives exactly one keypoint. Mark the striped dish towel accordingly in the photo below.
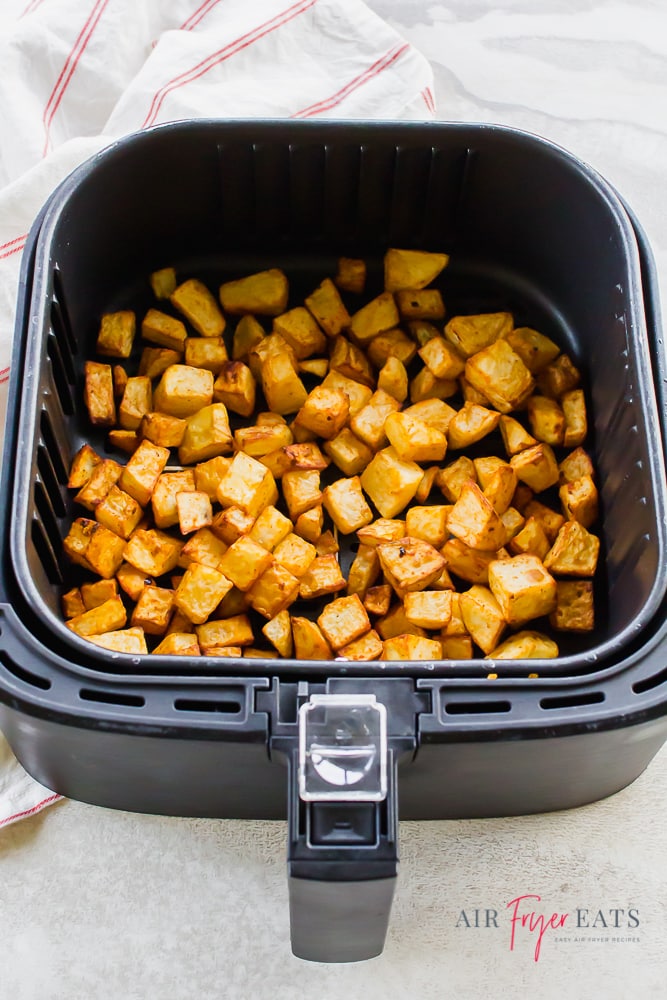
(77, 74)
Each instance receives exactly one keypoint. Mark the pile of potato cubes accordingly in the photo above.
(330, 419)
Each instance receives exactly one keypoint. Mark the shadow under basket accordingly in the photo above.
(529, 229)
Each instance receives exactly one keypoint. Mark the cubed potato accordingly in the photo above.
(153, 610)
(105, 475)
(482, 617)
(183, 390)
(378, 599)
(155, 360)
(559, 377)
(367, 647)
(523, 588)
(428, 523)
(178, 644)
(426, 386)
(193, 299)
(350, 361)
(474, 521)
(140, 475)
(72, 603)
(395, 623)
(263, 294)
(247, 484)
(327, 543)
(576, 421)
(412, 268)
(181, 625)
(546, 419)
(200, 591)
(116, 334)
(275, 590)
(434, 412)
(422, 331)
(163, 282)
(309, 643)
(163, 498)
(358, 394)
(469, 564)
(302, 333)
(530, 539)
(368, 423)
(137, 400)
(279, 633)
(346, 505)
(162, 429)
(165, 331)
(471, 424)
(247, 334)
(301, 491)
(105, 617)
(383, 529)
(235, 387)
(208, 474)
(328, 308)
(515, 437)
(410, 564)
(456, 647)
(513, 521)
(411, 647)
(470, 334)
(231, 524)
(455, 626)
(575, 465)
(427, 483)
(375, 317)
(393, 379)
(309, 524)
(450, 480)
(343, 620)
(351, 274)
(575, 551)
(270, 346)
(228, 652)
(194, 511)
(418, 303)
(283, 389)
(525, 645)
(152, 552)
(391, 343)
(261, 440)
(413, 439)
(98, 394)
(314, 366)
(579, 500)
(323, 576)
(349, 453)
(203, 547)
(119, 512)
(500, 488)
(471, 394)
(364, 570)
(500, 375)
(535, 350)
(206, 352)
(442, 358)
(82, 466)
(390, 482)
(550, 520)
(295, 554)
(127, 441)
(233, 631)
(574, 611)
(536, 466)
(324, 412)
(94, 594)
(94, 547)
(429, 608)
(132, 581)
(270, 528)
(128, 640)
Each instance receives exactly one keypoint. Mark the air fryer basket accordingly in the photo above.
(530, 229)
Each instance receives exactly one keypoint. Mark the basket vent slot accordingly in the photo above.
(50, 481)
(650, 682)
(53, 449)
(477, 707)
(112, 697)
(44, 550)
(59, 317)
(226, 707)
(26, 676)
(62, 379)
(573, 700)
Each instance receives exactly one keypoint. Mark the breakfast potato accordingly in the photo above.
(530, 539)
(410, 564)
(546, 419)
(559, 377)
(426, 386)
(474, 521)
(279, 633)
(350, 361)
(263, 294)
(369, 423)
(153, 610)
(163, 497)
(233, 631)
(94, 594)
(119, 512)
(323, 576)
(525, 645)
(182, 391)
(367, 647)
(575, 551)
(274, 591)
(579, 500)
(98, 394)
(576, 421)
(248, 333)
(375, 317)
(536, 466)
(393, 378)
(412, 268)
(283, 389)
(535, 350)
(343, 620)
(452, 478)
(328, 308)
(349, 453)
(575, 465)
(324, 412)
(193, 299)
(390, 482)
(194, 511)
(442, 358)
(178, 644)
(411, 647)
(162, 429)
(391, 344)
(472, 423)
(82, 466)
(467, 563)
(104, 475)
(378, 599)
(470, 334)
(155, 360)
(116, 334)
(413, 439)
(309, 643)
(299, 329)
(523, 588)
(500, 375)
(415, 303)
(152, 552)
(142, 471)
(515, 436)
(346, 505)
(574, 610)
(351, 274)
(164, 330)
(206, 352)
(432, 609)
(105, 617)
(137, 400)
(126, 640)
(428, 523)
(482, 616)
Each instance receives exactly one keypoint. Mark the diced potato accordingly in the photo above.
(576, 421)
(346, 505)
(351, 362)
(368, 423)
(270, 528)
(455, 626)
(411, 647)
(233, 631)
(194, 511)
(193, 299)
(94, 547)
(393, 379)
(364, 570)
(390, 482)
(470, 334)
(559, 377)
(412, 268)
(271, 346)
(500, 375)
(119, 512)
(536, 467)
(434, 412)
(98, 394)
(132, 581)
(470, 564)
(482, 617)
(513, 521)
(378, 599)
(322, 577)
(82, 466)
(574, 611)
(261, 440)
(343, 620)
(206, 352)
(535, 350)
(391, 343)
(500, 488)
(309, 524)
(72, 603)
(395, 623)
(104, 618)
(301, 332)
(183, 390)
(358, 394)
(180, 625)
(550, 520)
(208, 474)
(413, 439)
(456, 647)
(140, 475)
(155, 360)
(575, 551)
(301, 491)
(351, 274)
(153, 610)
(163, 498)
(235, 386)
(165, 331)
(422, 331)
(530, 539)
(162, 429)
(178, 644)
(94, 594)
(128, 640)
(275, 590)
(426, 386)
(428, 523)
(523, 588)
(137, 400)
(420, 303)
(247, 484)
(474, 521)
(515, 437)
(244, 562)
(152, 552)
(200, 591)
(382, 530)
(375, 317)
(228, 652)
(279, 633)
(580, 501)
(546, 419)
(410, 564)
(451, 479)
(324, 412)
(471, 424)
(367, 647)
(575, 465)
(247, 334)
(328, 309)
(525, 645)
(231, 524)
(105, 474)
(116, 334)
(471, 394)
(309, 643)
(349, 453)
(264, 293)
(283, 389)
(429, 608)
(314, 366)
(203, 547)
(427, 483)
(442, 358)
(163, 282)
(127, 441)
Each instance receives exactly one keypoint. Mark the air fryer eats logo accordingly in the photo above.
(529, 923)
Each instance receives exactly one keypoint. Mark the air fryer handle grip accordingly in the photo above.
(342, 866)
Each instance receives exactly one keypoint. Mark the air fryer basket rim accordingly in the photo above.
(606, 654)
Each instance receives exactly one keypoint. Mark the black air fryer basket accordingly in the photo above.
(529, 229)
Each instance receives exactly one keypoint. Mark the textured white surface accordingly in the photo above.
(96, 904)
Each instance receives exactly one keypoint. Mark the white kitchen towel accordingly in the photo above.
(77, 74)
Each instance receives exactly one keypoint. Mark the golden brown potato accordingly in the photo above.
(535, 350)
(350, 361)
(178, 644)
(482, 617)
(193, 299)
(328, 309)
(244, 562)
(546, 419)
(364, 571)
(536, 466)
(412, 268)
(153, 610)
(351, 274)
(346, 505)
(500, 375)
(390, 482)
(116, 334)
(413, 439)
(182, 391)
(525, 645)
(163, 282)
(393, 379)
(247, 484)
(275, 590)
(98, 394)
(200, 591)
(579, 500)
(470, 334)
(375, 317)
(471, 424)
(165, 331)
(309, 643)
(343, 620)
(128, 640)
(323, 576)
(575, 551)
(474, 521)
(415, 303)
(367, 647)
(410, 564)
(523, 588)
(155, 360)
(279, 633)
(369, 423)
(233, 631)
(574, 611)
(411, 647)
(432, 609)
(105, 617)
(104, 475)
(264, 293)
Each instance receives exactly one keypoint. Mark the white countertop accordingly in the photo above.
(100, 904)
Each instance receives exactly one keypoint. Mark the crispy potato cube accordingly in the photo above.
(155, 360)
(364, 570)
(208, 474)
(163, 498)
(183, 390)
(410, 564)
(200, 591)
(395, 623)
(153, 610)
(264, 293)
(309, 643)
(203, 547)
(575, 551)
(470, 334)
(301, 332)
(390, 482)
(418, 303)
(474, 521)
(137, 400)
(324, 412)
(233, 631)
(500, 375)
(471, 424)
(375, 317)
(393, 379)
(434, 412)
(165, 331)
(231, 524)
(576, 421)
(119, 512)
(98, 394)
(178, 644)
(194, 511)
(270, 528)
(95, 547)
(413, 439)
(422, 331)
(105, 475)
(247, 334)
(128, 640)
(309, 524)
(279, 633)
(343, 620)
(470, 564)
(127, 441)
(535, 350)
(426, 386)
(206, 352)
(559, 377)
(580, 501)
(455, 626)
(193, 299)
(515, 437)
(471, 394)
(456, 647)
(367, 647)
(328, 309)
(247, 484)
(235, 386)
(273, 345)
(180, 625)
(382, 530)
(450, 480)
(140, 475)
(346, 505)
(163, 282)
(391, 344)
(229, 652)
(574, 611)
(411, 647)
(525, 645)
(546, 419)
(523, 588)
(368, 424)
(575, 465)
(116, 334)
(275, 590)
(314, 366)
(72, 603)
(500, 488)
(152, 552)
(94, 594)
(530, 539)
(82, 467)
(301, 491)
(428, 523)
(536, 466)
(429, 608)
(482, 617)
(351, 362)
(207, 434)
(378, 599)
(244, 562)
(323, 576)
(513, 521)
(104, 618)
(550, 520)
(358, 394)
(162, 429)
(349, 453)
(283, 389)
(412, 268)
(442, 358)
(132, 581)
(427, 483)
(351, 274)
